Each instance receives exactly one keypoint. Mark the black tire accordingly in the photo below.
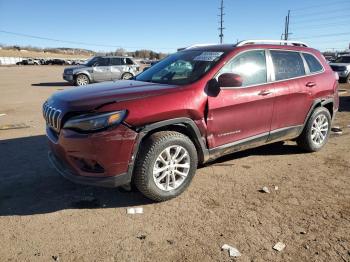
(150, 150)
(127, 76)
(347, 80)
(305, 140)
(77, 81)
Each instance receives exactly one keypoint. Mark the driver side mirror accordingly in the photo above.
(230, 80)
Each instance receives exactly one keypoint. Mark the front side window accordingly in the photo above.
(181, 68)
(313, 64)
(102, 62)
(287, 64)
(97, 61)
(251, 66)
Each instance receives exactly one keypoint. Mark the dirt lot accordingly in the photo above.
(42, 215)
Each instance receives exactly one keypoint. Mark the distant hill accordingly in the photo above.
(30, 51)
(65, 52)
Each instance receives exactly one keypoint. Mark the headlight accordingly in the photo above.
(95, 122)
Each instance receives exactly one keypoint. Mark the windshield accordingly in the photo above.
(181, 68)
(343, 59)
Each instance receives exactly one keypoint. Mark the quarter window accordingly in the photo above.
(313, 63)
(251, 66)
(129, 61)
(287, 64)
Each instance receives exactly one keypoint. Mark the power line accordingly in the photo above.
(221, 28)
(321, 13)
(321, 36)
(76, 42)
(324, 25)
(336, 41)
(321, 5)
(316, 19)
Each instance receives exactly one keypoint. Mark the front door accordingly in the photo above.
(243, 113)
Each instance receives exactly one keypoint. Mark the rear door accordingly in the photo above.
(116, 68)
(292, 96)
(101, 70)
(244, 112)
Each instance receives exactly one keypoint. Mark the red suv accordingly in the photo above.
(191, 108)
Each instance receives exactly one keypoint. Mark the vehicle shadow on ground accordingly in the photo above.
(50, 84)
(28, 185)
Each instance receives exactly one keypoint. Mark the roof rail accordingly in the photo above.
(281, 42)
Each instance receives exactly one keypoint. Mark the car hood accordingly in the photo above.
(92, 96)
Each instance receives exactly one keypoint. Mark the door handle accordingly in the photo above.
(310, 84)
(264, 93)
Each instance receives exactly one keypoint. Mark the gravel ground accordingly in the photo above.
(44, 217)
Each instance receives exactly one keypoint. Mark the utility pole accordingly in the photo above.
(286, 26)
(221, 28)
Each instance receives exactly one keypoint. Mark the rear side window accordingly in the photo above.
(313, 63)
(251, 66)
(287, 64)
(115, 61)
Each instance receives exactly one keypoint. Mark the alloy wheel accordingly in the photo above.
(171, 168)
(82, 80)
(319, 129)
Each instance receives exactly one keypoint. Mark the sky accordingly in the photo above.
(164, 25)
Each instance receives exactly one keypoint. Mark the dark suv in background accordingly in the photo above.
(342, 66)
(191, 108)
(101, 68)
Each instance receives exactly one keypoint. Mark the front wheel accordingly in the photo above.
(82, 80)
(316, 132)
(165, 165)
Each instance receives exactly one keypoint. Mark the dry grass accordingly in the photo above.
(33, 54)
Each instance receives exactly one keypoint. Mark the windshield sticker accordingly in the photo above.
(208, 56)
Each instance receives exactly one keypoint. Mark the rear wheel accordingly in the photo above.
(127, 76)
(82, 80)
(165, 166)
(316, 132)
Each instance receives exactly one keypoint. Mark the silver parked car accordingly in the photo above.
(342, 66)
(101, 68)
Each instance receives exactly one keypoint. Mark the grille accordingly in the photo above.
(52, 116)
